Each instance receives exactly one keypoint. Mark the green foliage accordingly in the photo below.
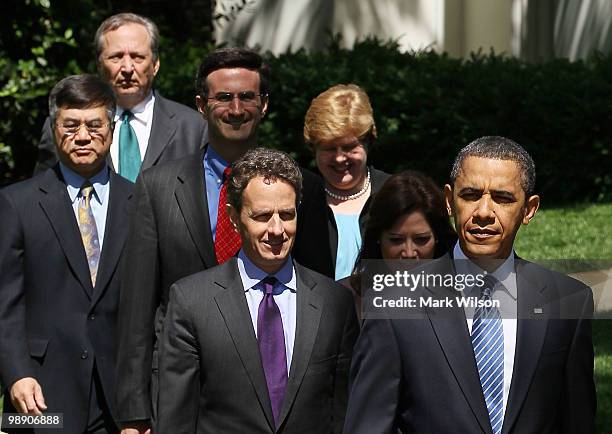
(428, 105)
(29, 66)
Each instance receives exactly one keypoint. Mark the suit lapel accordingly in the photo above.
(162, 130)
(233, 306)
(453, 336)
(530, 334)
(308, 316)
(114, 234)
(55, 203)
(190, 194)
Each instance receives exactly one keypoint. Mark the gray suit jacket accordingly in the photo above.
(210, 368)
(176, 131)
(420, 375)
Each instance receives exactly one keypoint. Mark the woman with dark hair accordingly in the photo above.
(407, 220)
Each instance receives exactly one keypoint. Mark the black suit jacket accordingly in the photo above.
(420, 375)
(176, 131)
(170, 238)
(210, 368)
(53, 323)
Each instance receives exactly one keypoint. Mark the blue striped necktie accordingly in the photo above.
(488, 343)
(129, 151)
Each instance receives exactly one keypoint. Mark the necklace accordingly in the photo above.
(346, 197)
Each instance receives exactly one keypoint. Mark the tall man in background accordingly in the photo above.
(60, 251)
(180, 224)
(150, 128)
(523, 367)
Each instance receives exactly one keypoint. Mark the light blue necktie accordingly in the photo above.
(129, 152)
(488, 343)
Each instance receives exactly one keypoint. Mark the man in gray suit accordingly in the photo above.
(266, 346)
(150, 128)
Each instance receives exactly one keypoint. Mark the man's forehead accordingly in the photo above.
(233, 79)
(77, 113)
(124, 36)
(480, 172)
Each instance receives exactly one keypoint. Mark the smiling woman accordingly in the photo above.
(339, 127)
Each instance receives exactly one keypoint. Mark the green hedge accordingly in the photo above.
(427, 106)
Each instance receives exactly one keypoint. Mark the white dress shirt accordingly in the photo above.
(286, 300)
(506, 296)
(141, 122)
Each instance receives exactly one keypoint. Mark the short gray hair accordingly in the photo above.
(499, 148)
(267, 163)
(116, 21)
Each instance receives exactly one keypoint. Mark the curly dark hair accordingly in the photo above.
(267, 163)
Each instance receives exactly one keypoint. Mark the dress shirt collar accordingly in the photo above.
(504, 273)
(142, 112)
(214, 162)
(251, 275)
(74, 182)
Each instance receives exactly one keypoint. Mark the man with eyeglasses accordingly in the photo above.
(150, 129)
(60, 249)
(180, 223)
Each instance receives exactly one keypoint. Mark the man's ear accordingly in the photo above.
(448, 199)
(156, 67)
(233, 216)
(264, 106)
(531, 207)
(201, 105)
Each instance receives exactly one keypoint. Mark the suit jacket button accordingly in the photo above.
(84, 354)
(92, 317)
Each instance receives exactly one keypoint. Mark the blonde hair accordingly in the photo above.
(342, 110)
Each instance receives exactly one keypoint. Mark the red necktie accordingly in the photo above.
(227, 240)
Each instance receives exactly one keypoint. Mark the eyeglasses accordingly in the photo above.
(94, 127)
(246, 97)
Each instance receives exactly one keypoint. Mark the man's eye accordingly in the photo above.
(94, 125)
(287, 215)
(246, 96)
(262, 217)
(223, 97)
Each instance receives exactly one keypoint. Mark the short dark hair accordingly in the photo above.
(82, 91)
(118, 20)
(267, 163)
(234, 57)
(499, 148)
(403, 194)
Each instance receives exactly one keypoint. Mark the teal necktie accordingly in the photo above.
(129, 152)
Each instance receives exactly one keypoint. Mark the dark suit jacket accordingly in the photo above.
(170, 238)
(53, 323)
(176, 131)
(420, 374)
(210, 368)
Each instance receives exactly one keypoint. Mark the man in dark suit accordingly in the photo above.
(175, 231)
(60, 248)
(259, 344)
(522, 362)
(150, 129)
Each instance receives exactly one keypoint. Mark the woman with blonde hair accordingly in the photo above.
(339, 127)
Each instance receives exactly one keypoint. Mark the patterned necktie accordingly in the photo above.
(129, 151)
(271, 339)
(488, 343)
(89, 231)
(227, 240)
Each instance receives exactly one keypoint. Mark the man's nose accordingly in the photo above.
(127, 65)
(236, 108)
(275, 226)
(484, 210)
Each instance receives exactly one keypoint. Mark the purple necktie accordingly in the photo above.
(272, 346)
